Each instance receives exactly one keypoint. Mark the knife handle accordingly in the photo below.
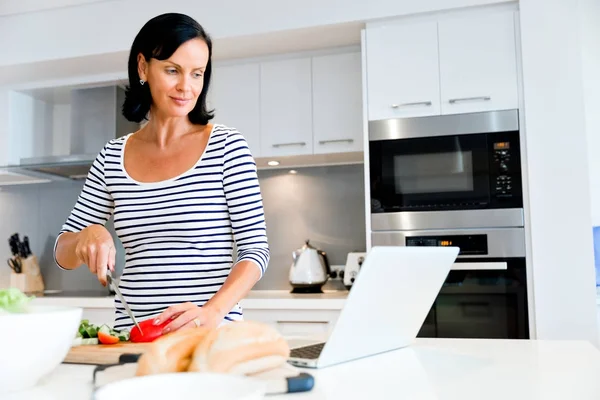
(301, 383)
(126, 358)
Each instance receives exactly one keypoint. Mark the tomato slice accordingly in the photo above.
(105, 338)
(150, 332)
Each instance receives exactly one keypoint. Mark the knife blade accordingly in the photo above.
(111, 282)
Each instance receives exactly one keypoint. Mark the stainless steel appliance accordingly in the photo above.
(455, 180)
(310, 269)
(485, 293)
(425, 172)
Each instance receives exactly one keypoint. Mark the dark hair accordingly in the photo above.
(159, 38)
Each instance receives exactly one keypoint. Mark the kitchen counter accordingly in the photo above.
(256, 299)
(449, 369)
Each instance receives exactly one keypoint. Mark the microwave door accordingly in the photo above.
(422, 174)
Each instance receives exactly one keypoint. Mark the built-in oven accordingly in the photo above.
(485, 292)
(446, 171)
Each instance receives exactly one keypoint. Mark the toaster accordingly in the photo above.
(354, 261)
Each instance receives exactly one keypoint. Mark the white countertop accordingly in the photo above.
(449, 369)
(256, 299)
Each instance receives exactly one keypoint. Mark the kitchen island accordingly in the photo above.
(449, 369)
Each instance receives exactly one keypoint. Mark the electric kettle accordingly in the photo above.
(310, 269)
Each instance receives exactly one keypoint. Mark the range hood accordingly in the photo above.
(95, 119)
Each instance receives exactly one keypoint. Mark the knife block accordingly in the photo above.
(30, 279)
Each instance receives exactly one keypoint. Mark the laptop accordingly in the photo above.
(386, 306)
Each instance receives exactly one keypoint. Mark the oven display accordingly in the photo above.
(468, 244)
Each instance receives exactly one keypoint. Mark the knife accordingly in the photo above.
(26, 247)
(111, 282)
(14, 249)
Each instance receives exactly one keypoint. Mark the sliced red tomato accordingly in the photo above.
(150, 332)
(105, 338)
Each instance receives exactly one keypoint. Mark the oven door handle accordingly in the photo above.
(480, 266)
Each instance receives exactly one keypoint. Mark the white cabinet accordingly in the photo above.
(286, 107)
(403, 70)
(337, 103)
(235, 94)
(5, 138)
(478, 67)
(296, 322)
(446, 66)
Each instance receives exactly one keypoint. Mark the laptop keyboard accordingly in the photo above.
(311, 352)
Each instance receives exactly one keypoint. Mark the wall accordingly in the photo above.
(559, 212)
(313, 204)
(590, 57)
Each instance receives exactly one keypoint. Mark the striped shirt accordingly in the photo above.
(178, 234)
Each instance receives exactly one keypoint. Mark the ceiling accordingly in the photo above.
(9, 7)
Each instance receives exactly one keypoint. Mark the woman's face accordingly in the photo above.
(176, 83)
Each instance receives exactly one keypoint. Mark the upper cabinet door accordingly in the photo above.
(286, 107)
(478, 65)
(235, 96)
(403, 70)
(337, 103)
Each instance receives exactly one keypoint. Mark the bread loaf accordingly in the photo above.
(243, 347)
(171, 352)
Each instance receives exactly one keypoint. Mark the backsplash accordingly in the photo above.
(322, 204)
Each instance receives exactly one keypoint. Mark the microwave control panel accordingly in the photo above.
(503, 169)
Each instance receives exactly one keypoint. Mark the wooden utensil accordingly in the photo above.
(100, 354)
(30, 280)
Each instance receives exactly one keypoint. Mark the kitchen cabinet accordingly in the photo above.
(235, 94)
(296, 322)
(4, 127)
(286, 107)
(403, 70)
(478, 66)
(337, 103)
(448, 65)
(293, 322)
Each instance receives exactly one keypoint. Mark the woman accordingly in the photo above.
(181, 190)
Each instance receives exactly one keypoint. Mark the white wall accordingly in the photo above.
(590, 49)
(83, 30)
(557, 172)
(4, 126)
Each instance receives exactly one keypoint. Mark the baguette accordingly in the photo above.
(171, 352)
(242, 348)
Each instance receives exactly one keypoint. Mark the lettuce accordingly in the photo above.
(13, 300)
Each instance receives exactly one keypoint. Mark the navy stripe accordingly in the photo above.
(178, 234)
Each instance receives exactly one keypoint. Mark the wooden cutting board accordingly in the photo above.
(103, 353)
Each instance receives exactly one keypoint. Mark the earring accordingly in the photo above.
(142, 82)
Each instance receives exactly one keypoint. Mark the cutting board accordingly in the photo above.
(99, 354)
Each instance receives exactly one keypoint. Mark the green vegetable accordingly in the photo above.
(14, 301)
(88, 333)
(82, 342)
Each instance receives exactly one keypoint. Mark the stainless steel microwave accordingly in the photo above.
(448, 171)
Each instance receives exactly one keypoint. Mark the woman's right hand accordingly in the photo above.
(96, 248)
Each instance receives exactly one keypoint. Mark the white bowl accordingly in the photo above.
(184, 385)
(33, 344)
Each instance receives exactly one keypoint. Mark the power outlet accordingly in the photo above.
(335, 272)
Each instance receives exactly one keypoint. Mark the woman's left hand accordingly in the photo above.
(189, 315)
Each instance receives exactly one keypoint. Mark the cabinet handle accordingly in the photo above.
(336, 141)
(479, 266)
(483, 98)
(290, 144)
(418, 103)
